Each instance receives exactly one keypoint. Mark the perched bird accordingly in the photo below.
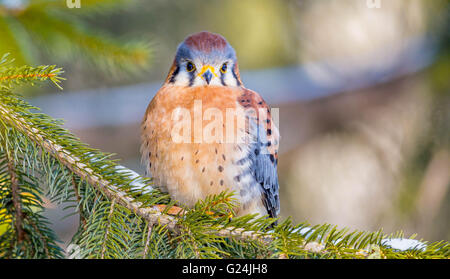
(204, 85)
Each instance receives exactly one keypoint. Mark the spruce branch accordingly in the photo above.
(126, 218)
(63, 34)
(16, 200)
(147, 240)
(111, 210)
(10, 75)
(82, 170)
(198, 223)
(78, 198)
(198, 226)
(152, 215)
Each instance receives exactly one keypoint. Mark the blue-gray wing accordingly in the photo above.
(264, 149)
(264, 169)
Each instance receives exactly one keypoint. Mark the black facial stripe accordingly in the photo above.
(174, 74)
(191, 80)
(222, 79)
(235, 77)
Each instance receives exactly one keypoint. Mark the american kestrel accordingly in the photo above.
(204, 86)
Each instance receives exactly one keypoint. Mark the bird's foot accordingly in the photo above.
(173, 210)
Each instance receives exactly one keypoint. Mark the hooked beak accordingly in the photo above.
(207, 76)
(207, 73)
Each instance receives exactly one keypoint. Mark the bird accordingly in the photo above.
(194, 158)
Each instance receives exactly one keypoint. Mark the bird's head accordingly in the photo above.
(204, 59)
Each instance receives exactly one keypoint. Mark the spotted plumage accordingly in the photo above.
(202, 92)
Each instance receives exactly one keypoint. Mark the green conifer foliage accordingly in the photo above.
(31, 29)
(39, 158)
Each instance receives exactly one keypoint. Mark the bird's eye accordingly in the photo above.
(224, 67)
(190, 66)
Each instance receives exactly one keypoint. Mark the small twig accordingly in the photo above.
(147, 241)
(111, 210)
(77, 195)
(50, 75)
(40, 236)
(15, 192)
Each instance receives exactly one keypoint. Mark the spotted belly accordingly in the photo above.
(192, 171)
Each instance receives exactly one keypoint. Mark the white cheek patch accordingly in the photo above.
(229, 79)
(183, 78)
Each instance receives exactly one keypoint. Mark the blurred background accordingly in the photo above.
(362, 88)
